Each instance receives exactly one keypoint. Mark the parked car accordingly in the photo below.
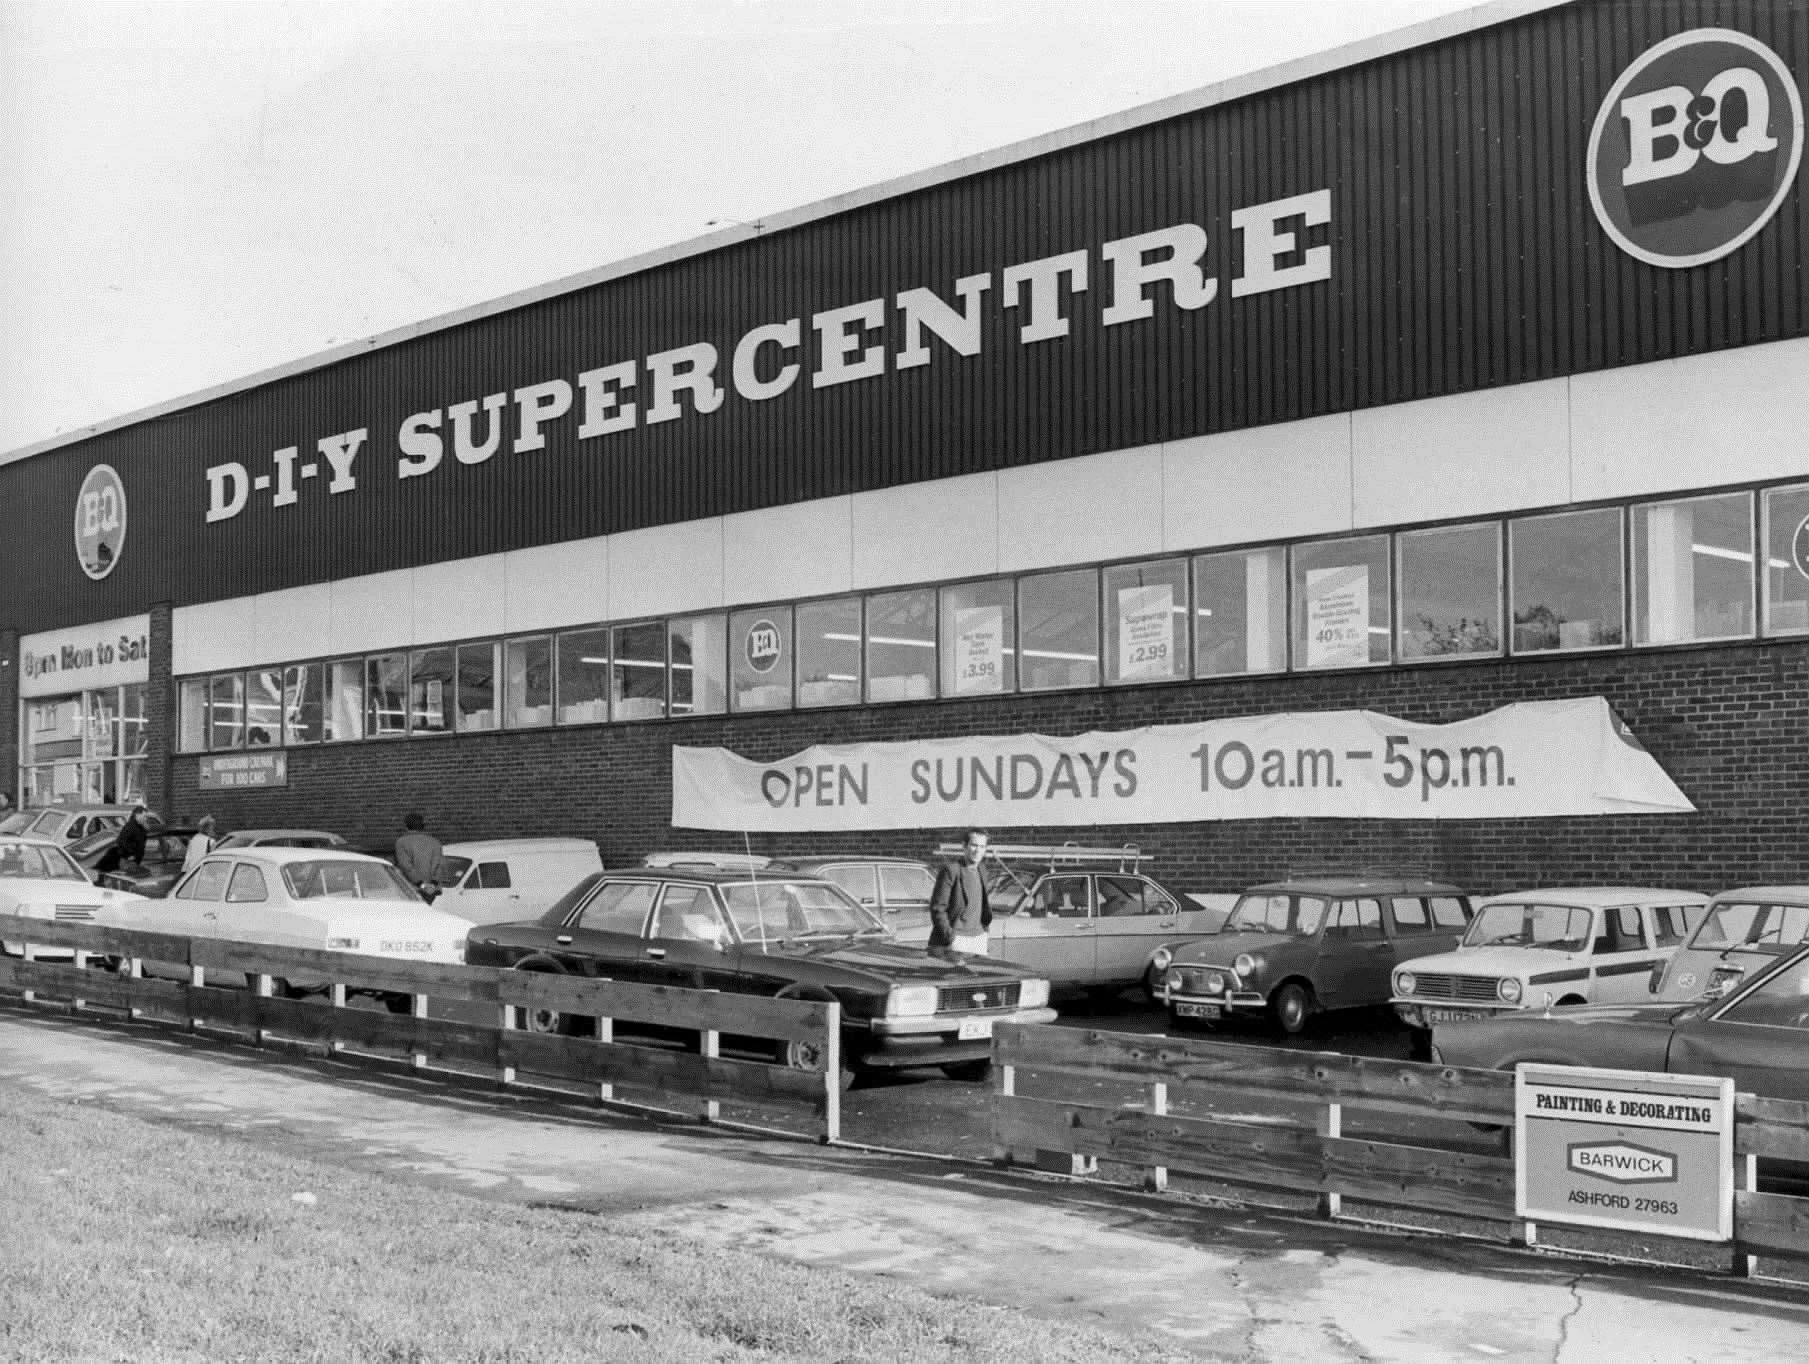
(153, 875)
(1742, 932)
(279, 838)
(895, 888)
(40, 880)
(1758, 1034)
(66, 823)
(707, 929)
(721, 861)
(501, 879)
(1538, 948)
(1294, 948)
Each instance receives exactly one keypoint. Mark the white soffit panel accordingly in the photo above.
(1073, 510)
(1734, 416)
(801, 550)
(1267, 483)
(946, 528)
(290, 624)
(665, 569)
(1501, 449)
(459, 598)
(549, 586)
(214, 635)
(372, 612)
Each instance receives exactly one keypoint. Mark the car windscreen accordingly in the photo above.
(1295, 915)
(345, 880)
(1557, 928)
(1748, 923)
(451, 870)
(772, 911)
(37, 862)
(17, 822)
(97, 842)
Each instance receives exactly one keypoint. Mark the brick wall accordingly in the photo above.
(1730, 725)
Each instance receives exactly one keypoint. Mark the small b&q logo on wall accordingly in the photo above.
(100, 521)
(1695, 147)
(763, 646)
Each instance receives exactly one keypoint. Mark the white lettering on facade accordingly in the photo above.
(840, 334)
(1179, 250)
(748, 382)
(1044, 279)
(1265, 243)
(675, 371)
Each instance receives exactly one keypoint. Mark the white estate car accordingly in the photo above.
(1744, 931)
(39, 880)
(301, 897)
(1537, 948)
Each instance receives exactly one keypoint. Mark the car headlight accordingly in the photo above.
(910, 1001)
(1033, 994)
(1405, 983)
(1509, 990)
(1246, 965)
(1214, 983)
(1173, 978)
(1159, 962)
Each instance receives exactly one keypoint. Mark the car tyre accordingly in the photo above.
(1292, 1005)
(551, 1022)
(800, 1055)
(973, 1072)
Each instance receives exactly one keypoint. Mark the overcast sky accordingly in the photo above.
(193, 192)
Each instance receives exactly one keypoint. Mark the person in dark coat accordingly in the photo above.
(128, 844)
(960, 909)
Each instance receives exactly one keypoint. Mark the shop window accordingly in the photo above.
(583, 693)
(191, 728)
(1450, 591)
(700, 667)
(1240, 612)
(901, 645)
(386, 695)
(1146, 622)
(53, 749)
(1786, 578)
(1058, 630)
(829, 652)
(478, 667)
(977, 632)
(226, 711)
(528, 682)
(1341, 603)
(1565, 581)
(1693, 570)
(430, 691)
(302, 704)
(263, 708)
(637, 677)
(345, 698)
(760, 658)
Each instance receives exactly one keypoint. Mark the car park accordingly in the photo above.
(40, 880)
(152, 875)
(67, 823)
(1538, 948)
(279, 838)
(501, 879)
(1757, 1034)
(734, 931)
(895, 888)
(1742, 932)
(1294, 948)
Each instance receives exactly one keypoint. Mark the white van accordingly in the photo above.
(500, 880)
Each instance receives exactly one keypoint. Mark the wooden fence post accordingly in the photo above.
(1156, 1179)
(1331, 1125)
(1746, 1178)
(832, 1076)
(197, 978)
(81, 964)
(710, 1047)
(28, 953)
(606, 1037)
(506, 1022)
(264, 990)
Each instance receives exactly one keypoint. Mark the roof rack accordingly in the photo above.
(1126, 857)
(1401, 871)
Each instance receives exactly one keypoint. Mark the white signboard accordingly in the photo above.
(1537, 758)
(1146, 632)
(979, 650)
(1337, 611)
(84, 657)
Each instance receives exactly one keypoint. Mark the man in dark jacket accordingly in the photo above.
(128, 844)
(960, 909)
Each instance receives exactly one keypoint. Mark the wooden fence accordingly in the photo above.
(1273, 1119)
(215, 997)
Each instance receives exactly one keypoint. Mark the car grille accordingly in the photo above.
(1194, 979)
(954, 999)
(83, 913)
(1472, 989)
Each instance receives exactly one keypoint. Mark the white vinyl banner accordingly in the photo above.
(1537, 758)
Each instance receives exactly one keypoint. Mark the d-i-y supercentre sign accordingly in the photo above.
(1625, 1149)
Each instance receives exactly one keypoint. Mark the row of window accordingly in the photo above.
(1727, 566)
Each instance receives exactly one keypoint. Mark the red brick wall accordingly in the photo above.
(1730, 725)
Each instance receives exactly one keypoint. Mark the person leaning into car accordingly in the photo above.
(128, 844)
(960, 909)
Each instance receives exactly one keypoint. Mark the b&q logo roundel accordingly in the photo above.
(100, 521)
(763, 646)
(1695, 147)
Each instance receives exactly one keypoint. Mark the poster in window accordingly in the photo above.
(1337, 616)
(979, 650)
(1146, 632)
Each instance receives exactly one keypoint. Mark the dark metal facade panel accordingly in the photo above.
(1465, 255)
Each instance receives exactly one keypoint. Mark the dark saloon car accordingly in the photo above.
(1758, 1035)
(754, 933)
(1294, 948)
(161, 867)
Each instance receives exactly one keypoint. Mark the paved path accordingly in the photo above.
(1232, 1285)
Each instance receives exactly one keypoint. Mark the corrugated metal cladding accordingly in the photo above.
(1465, 254)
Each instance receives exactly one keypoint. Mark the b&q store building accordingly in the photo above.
(1236, 446)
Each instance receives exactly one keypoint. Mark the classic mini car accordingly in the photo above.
(39, 880)
(1293, 948)
(1743, 931)
(502, 879)
(279, 838)
(1086, 918)
(152, 875)
(749, 933)
(66, 823)
(1758, 1034)
(1536, 948)
(895, 888)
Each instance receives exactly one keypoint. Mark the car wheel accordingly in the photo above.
(551, 1022)
(974, 1072)
(798, 1055)
(1293, 1006)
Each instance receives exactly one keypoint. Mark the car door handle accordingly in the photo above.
(658, 953)
(564, 939)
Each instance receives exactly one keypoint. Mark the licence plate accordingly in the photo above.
(1452, 1015)
(1197, 1011)
(973, 1029)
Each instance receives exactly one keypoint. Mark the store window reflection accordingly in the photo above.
(1240, 605)
(1341, 603)
(1146, 622)
(700, 668)
(1786, 576)
(583, 677)
(978, 633)
(264, 708)
(226, 711)
(1450, 591)
(1693, 570)
(760, 662)
(1566, 581)
(479, 665)
(430, 691)
(528, 682)
(901, 645)
(1058, 630)
(829, 652)
(386, 693)
(638, 675)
